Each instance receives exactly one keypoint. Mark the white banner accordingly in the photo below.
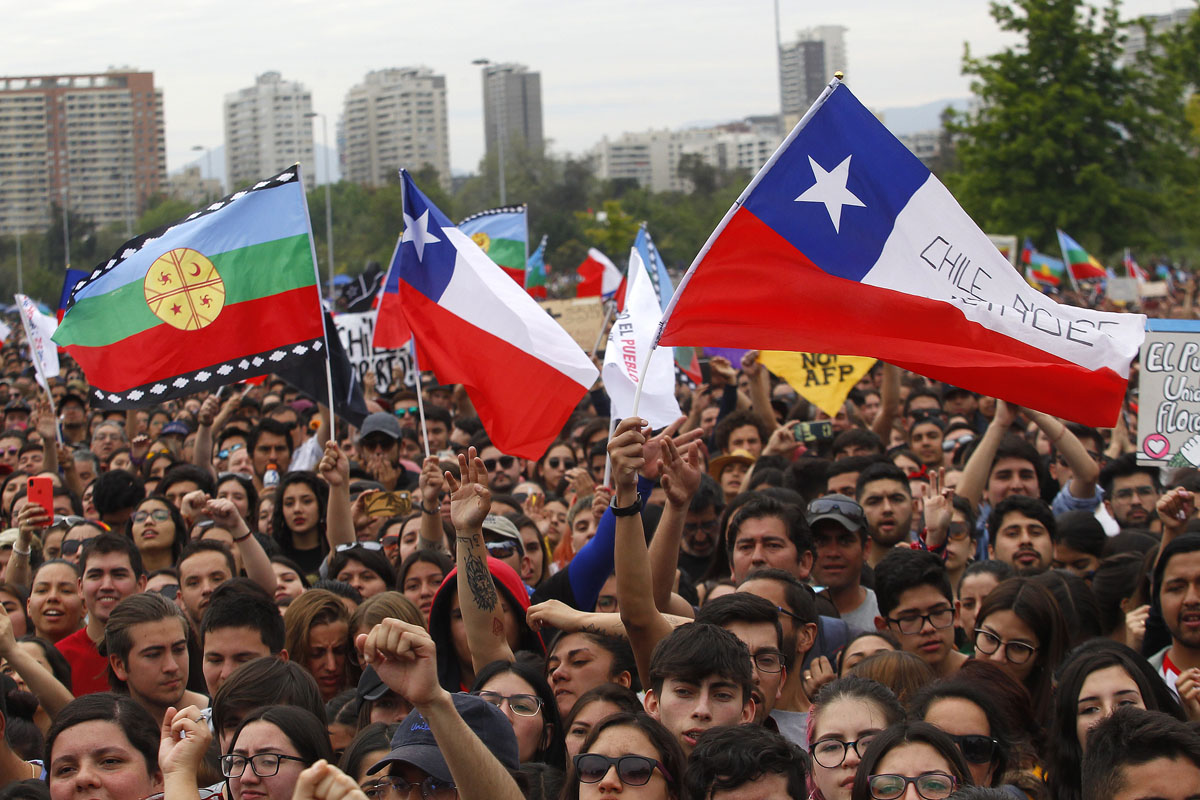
(391, 367)
(38, 330)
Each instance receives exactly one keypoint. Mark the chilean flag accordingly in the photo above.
(598, 276)
(474, 325)
(845, 243)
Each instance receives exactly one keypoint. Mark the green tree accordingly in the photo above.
(1068, 134)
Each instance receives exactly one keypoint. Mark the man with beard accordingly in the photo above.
(504, 472)
(1131, 492)
(1021, 530)
(1176, 584)
(839, 531)
(883, 492)
(700, 529)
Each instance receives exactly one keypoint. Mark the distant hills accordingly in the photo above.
(913, 119)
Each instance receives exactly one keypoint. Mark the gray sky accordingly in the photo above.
(607, 66)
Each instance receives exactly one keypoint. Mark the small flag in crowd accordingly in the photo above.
(503, 235)
(348, 401)
(474, 326)
(537, 272)
(845, 243)
(629, 343)
(227, 293)
(39, 333)
(70, 278)
(1082, 265)
(1132, 269)
(686, 360)
(823, 380)
(359, 294)
(1042, 270)
(598, 276)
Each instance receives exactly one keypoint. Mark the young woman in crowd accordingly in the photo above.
(14, 599)
(863, 646)
(969, 717)
(239, 490)
(159, 532)
(627, 752)
(550, 470)
(592, 706)
(578, 662)
(536, 549)
(290, 580)
(371, 744)
(902, 672)
(845, 717)
(1021, 629)
(977, 582)
(911, 754)
(363, 566)
(420, 575)
(269, 749)
(298, 519)
(55, 604)
(316, 636)
(526, 699)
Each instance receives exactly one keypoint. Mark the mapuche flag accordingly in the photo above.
(228, 292)
(846, 243)
(503, 234)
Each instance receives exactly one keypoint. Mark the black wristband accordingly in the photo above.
(627, 511)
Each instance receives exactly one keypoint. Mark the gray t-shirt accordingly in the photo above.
(862, 619)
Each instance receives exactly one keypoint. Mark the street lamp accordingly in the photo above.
(207, 163)
(328, 200)
(501, 126)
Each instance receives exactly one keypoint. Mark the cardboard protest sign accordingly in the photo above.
(1122, 290)
(1168, 429)
(582, 317)
(823, 380)
(391, 367)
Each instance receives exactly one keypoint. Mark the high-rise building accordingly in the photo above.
(807, 65)
(512, 106)
(1160, 24)
(395, 118)
(267, 129)
(95, 142)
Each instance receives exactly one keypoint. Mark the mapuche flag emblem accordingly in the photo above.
(227, 293)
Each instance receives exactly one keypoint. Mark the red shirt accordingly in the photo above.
(89, 669)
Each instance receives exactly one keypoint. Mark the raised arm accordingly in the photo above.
(41, 681)
(979, 465)
(334, 469)
(1174, 508)
(760, 388)
(406, 659)
(643, 621)
(1084, 470)
(254, 558)
(202, 453)
(429, 492)
(680, 473)
(889, 399)
(478, 600)
(30, 520)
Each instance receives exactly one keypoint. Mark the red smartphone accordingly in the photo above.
(40, 490)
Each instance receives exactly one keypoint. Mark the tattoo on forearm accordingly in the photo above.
(590, 627)
(479, 581)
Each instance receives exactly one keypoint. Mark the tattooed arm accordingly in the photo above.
(478, 600)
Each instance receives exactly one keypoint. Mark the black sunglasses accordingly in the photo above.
(73, 546)
(975, 748)
(505, 462)
(632, 770)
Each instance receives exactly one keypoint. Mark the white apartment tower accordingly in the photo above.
(395, 118)
(807, 65)
(267, 129)
(512, 106)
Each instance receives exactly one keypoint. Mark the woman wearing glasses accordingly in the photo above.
(550, 471)
(270, 749)
(158, 531)
(528, 702)
(911, 760)
(970, 718)
(1021, 629)
(628, 753)
(846, 715)
(1096, 679)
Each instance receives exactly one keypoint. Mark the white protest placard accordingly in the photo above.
(1122, 290)
(1154, 289)
(1168, 427)
(391, 367)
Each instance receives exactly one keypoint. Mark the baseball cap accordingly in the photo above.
(370, 685)
(174, 427)
(414, 744)
(380, 422)
(501, 526)
(71, 397)
(841, 510)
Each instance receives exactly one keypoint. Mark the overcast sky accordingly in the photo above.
(607, 65)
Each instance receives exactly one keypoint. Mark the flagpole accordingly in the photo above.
(612, 426)
(420, 402)
(37, 365)
(763, 170)
(312, 248)
(609, 306)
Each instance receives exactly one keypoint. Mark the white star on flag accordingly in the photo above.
(417, 232)
(831, 190)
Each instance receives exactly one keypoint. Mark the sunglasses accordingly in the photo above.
(345, 548)
(632, 770)
(73, 546)
(169, 591)
(228, 451)
(959, 531)
(505, 462)
(565, 463)
(68, 521)
(501, 550)
(975, 748)
(408, 411)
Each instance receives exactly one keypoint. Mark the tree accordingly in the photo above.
(1068, 134)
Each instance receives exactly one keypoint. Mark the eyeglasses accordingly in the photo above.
(913, 623)
(632, 770)
(345, 548)
(73, 546)
(226, 452)
(391, 540)
(501, 550)
(930, 785)
(525, 705)
(505, 462)
(836, 504)
(158, 514)
(554, 462)
(768, 661)
(830, 753)
(959, 531)
(1014, 652)
(1140, 491)
(787, 613)
(431, 788)
(975, 748)
(264, 764)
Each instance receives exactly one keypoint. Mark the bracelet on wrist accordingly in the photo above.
(19, 552)
(433, 510)
(244, 537)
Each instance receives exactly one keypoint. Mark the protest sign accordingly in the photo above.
(581, 317)
(1154, 289)
(1168, 429)
(1122, 290)
(391, 367)
(1007, 245)
(821, 379)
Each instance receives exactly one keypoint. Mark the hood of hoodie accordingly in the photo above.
(509, 584)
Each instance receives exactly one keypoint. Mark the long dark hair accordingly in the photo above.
(1034, 605)
(279, 529)
(903, 733)
(670, 755)
(1066, 756)
(551, 750)
(181, 528)
(957, 689)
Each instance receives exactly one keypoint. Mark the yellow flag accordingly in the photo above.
(821, 379)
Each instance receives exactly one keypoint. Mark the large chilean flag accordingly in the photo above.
(845, 243)
(474, 325)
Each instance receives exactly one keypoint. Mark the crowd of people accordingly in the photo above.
(233, 595)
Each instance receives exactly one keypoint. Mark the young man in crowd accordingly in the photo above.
(765, 532)
(745, 762)
(203, 566)
(240, 624)
(1136, 754)
(1131, 492)
(917, 606)
(700, 529)
(883, 492)
(110, 570)
(839, 531)
(1021, 531)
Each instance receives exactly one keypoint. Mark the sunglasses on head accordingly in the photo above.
(836, 504)
(169, 591)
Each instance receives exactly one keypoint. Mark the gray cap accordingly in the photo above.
(501, 526)
(380, 422)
